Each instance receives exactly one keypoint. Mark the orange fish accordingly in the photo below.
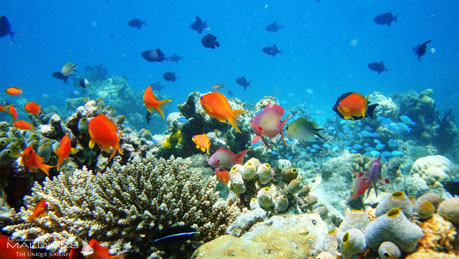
(32, 107)
(64, 150)
(24, 125)
(13, 112)
(216, 105)
(353, 106)
(103, 131)
(6, 108)
(39, 210)
(222, 175)
(150, 100)
(100, 252)
(10, 249)
(202, 142)
(13, 91)
(31, 160)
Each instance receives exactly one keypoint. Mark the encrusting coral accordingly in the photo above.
(125, 207)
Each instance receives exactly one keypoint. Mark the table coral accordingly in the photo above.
(125, 207)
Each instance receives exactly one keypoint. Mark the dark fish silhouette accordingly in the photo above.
(385, 18)
(198, 25)
(452, 186)
(420, 50)
(230, 93)
(174, 234)
(169, 76)
(5, 28)
(84, 82)
(378, 67)
(242, 81)
(174, 58)
(156, 86)
(60, 76)
(136, 23)
(154, 55)
(272, 50)
(148, 117)
(210, 41)
(273, 27)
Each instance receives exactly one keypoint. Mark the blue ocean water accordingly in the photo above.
(326, 47)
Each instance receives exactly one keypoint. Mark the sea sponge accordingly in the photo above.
(352, 219)
(352, 243)
(264, 198)
(248, 170)
(397, 199)
(289, 174)
(294, 186)
(330, 243)
(281, 203)
(434, 198)
(425, 210)
(237, 183)
(395, 227)
(435, 170)
(389, 250)
(449, 209)
(264, 173)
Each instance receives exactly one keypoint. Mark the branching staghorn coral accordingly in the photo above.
(125, 207)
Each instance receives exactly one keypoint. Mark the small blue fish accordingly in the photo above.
(380, 146)
(366, 133)
(357, 146)
(174, 234)
(403, 127)
(407, 120)
(397, 153)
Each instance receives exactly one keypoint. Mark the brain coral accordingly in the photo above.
(435, 170)
(125, 207)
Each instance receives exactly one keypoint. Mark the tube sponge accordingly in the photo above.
(397, 199)
(264, 198)
(248, 170)
(389, 250)
(353, 219)
(449, 209)
(352, 243)
(264, 173)
(237, 183)
(425, 210)
(395, 227)
(281, 203)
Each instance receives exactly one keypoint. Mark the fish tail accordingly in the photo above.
(396, 18)
(370, 110)
(45, 168)
(239, 158)
(232, 119)
(266, 142)
(59, 162)
(160, 107)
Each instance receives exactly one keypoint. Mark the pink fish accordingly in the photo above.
(365, 180)
(268, 124)
(225, 158)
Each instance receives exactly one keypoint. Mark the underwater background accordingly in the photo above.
(197, 184)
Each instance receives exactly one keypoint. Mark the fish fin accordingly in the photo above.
(73, 151)
(56, 151)
(160, 107)
(370, 110)
(232, 119)
(91, 144)
(256, 139)
(318, 135)
(45, 168)
(150, 109)
(282, 126)
(239, 158)
(113, 154)
(266, 142)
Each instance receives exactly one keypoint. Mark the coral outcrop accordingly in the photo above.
(125, 207)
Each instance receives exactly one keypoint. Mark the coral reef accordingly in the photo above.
(434, 170)
(449, 209)
(292, 236)
(397, 199)
(125, 207)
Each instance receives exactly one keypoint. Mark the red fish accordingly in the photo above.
(361, 184)
(216, 105)
(24, 125)
(63, 151)
(10, 249)
(103, 131)
(32, 107)
(365, 180)
(13, 112)
(222, 175)
(101, 252)
(31, 160)
(39, 210)
(268, 124)
(225, 158)
(13, 90)
(353, 106)
(152, 102)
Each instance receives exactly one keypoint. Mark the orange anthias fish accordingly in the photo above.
(216, 105)
(10, 249)
(39, 210)
(103, 131)
(13, 112)
(13, 90)
(31, 160)
(222, 175)
(202, 142)
(100, 252)
(24, 125)
(64, 150)
(150, 100)
(353, 106)
(32, 107)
